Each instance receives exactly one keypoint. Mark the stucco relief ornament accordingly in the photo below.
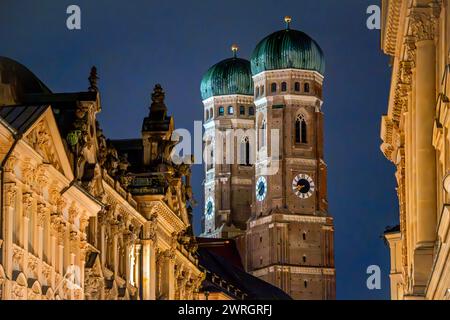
(11, 163)
(27, 204)
(73, 213)
(424, 24)
(11, 193)
(43, 212)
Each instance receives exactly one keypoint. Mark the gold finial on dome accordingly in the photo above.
(288, 20)
(234, 48)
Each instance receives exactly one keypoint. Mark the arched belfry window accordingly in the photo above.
(256, 92)
(301, 129)
(207, 115)
(306, 87)
(251, 111)
(230, 110)
(284, 86)
(244, 157)
(273, 87)
(261, 90)
(221, 111)
(297, 86)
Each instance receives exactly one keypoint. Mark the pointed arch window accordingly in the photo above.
(301, 129)
(245, 152)
(284, 86)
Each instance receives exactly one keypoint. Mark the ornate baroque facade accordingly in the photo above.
(80, 217)
(415, 134)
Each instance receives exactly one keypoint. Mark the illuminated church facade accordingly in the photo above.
(265, 174)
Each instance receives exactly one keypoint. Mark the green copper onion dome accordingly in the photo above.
(230, 76)
(287, 49)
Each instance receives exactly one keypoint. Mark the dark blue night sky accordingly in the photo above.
(138, 43)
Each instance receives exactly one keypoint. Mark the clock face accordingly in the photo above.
(261, 189)
(209, 209)
(303, 186)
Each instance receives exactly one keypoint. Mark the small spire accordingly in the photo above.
(235, 49)
(158, 96)
(93, 80)
(288, 20)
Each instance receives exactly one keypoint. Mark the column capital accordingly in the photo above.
(424, 21)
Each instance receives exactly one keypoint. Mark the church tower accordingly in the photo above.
(229, 117)
(289, 240)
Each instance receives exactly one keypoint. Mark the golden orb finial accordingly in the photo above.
(288, 20)
(234, 48)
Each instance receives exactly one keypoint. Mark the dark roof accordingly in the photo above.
(224, 276)
(21, 118)
(223, 247)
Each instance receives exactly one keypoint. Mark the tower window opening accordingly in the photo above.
(245, 152)
(260, 260)
(242, 110)
(230, 110)
(304, 235)
(207, 115)
(273, 87)
(211, 113)
(306, 87)
(304, 259)
(251, 111)
(256, 92)
(260, 239)
(284, 86)
(297, 86)
(210, 163)
(305, 284)
(221, 111)
(262, 90)
(300, 130)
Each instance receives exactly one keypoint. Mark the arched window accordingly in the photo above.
(273, 87)
(262, 90)
(211, 113)
(251, 111)
(244, 157)
(210, 162)
(207, 115)
(256, 92)
(262, 132)
(304, 235)
(306, 87)
(284, 86)
(304, 259)
(242, 110)
(305, 284)
(221, 111)
(300, 129)
(297, 86)
(230, 110)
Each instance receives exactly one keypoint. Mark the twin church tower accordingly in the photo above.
(265, 175)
